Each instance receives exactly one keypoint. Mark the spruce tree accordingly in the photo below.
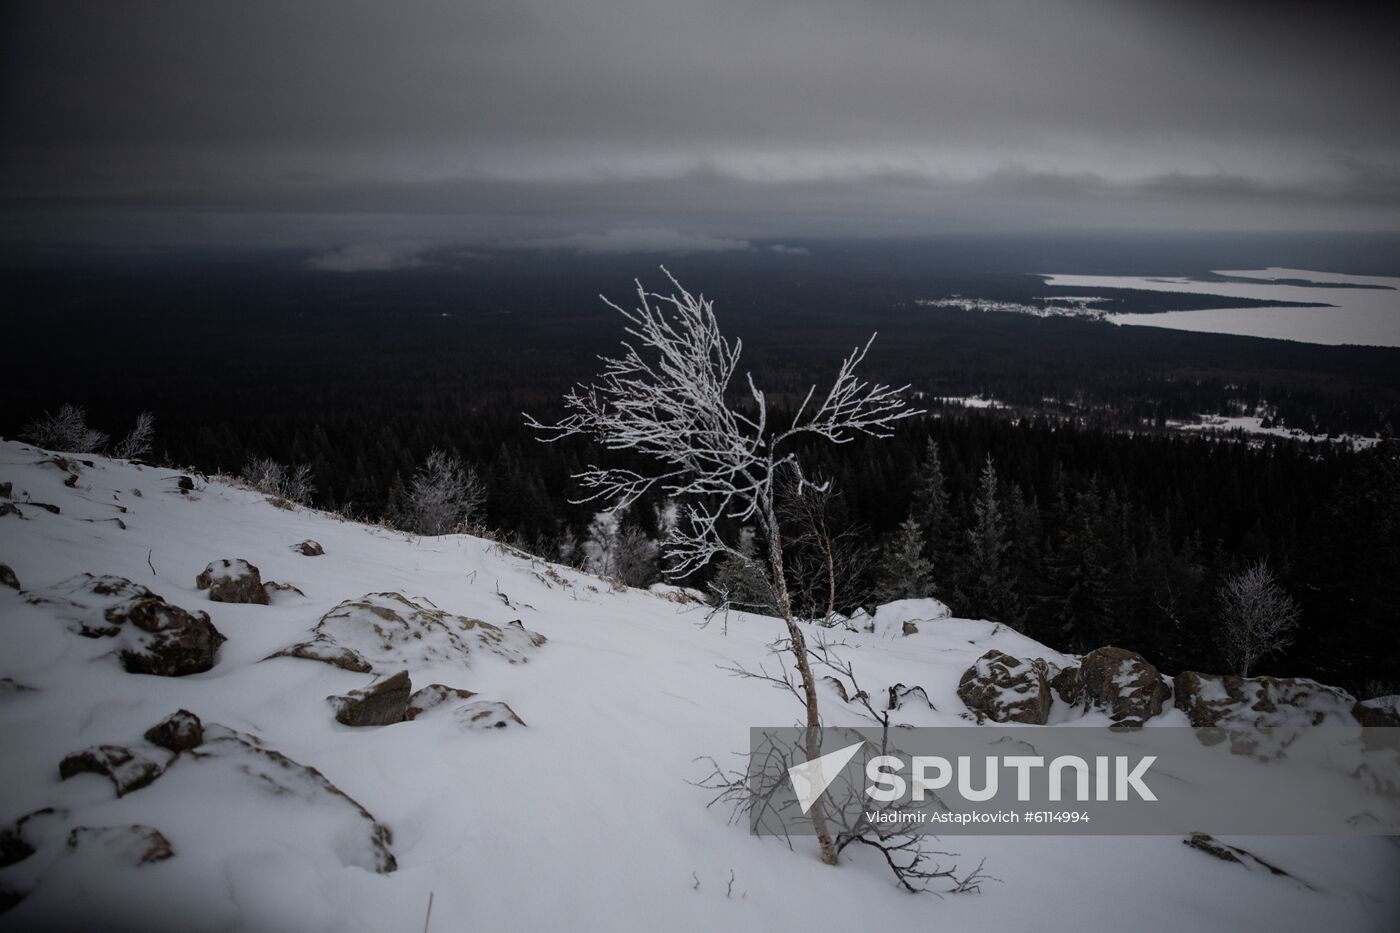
(905, 573)
(988, 582)
(931, 511)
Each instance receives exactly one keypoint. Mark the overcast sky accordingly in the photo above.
(604, 123)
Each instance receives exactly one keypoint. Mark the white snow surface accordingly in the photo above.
(1368, 315)
(583, 819)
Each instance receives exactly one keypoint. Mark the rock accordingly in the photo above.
(232, 581)
(840, 687)
(175, 643)
(135, 845)
(309, 548)
(155, 637)
(896, 618)
(10, 687)
(1067, 686)
(377, 705)
(1122, 682)
(8, 578)
(431, 697)
(1225, 700)
(185, 484)
(899, 692)
(388, 631)
(178, 732)
(6, 490)
(327, 653)
(280, 591)
(9, 508)
(1204, 842)
(128, 770)
(273, 795)
(1378, 711)
(487, 714)
(19, 840)
(1004, 689)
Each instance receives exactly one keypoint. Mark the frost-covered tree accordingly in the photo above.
(600, 544)
(904, 571)
(663, 401)
(66, 431)
(1257, 617)
(444, 496)
(635, 556)
(137, 442)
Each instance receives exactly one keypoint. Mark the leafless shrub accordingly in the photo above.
(66, 430)
(444, 497)
(1257, 617)
(292, 483)
(137, 442)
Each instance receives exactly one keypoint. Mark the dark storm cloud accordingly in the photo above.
(763, 118)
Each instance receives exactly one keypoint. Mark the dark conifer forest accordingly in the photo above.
(1095, 523)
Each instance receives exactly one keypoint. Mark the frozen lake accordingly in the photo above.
(1367, 315)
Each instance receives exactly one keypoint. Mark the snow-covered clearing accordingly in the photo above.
(580, 819)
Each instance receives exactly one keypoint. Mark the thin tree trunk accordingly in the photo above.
(809, 684)
(830, 578)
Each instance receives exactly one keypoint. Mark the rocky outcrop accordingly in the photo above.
(178, 732)
(309, 548)
(1119, 681)
(134, 845)
(155, 637)
(1378, 711)
(1225, 700)
(8, 578)
(1005, 689)
(232, 580)
(128, 770)
(379, 705)
(433, 697)
(388, 631)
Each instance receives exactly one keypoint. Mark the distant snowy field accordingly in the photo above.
(582, 819)
(1369, 315)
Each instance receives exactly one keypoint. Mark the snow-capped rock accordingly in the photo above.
(232, 580)
(1002, 688)
(383, 631)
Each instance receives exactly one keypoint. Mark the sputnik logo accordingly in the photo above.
(811, 778)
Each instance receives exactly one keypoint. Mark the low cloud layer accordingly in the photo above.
(634, 240)
(667, 126)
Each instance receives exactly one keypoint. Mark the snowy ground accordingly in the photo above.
(583, 819)
(1254, 425)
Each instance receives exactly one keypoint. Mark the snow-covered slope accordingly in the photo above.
(581, 819)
